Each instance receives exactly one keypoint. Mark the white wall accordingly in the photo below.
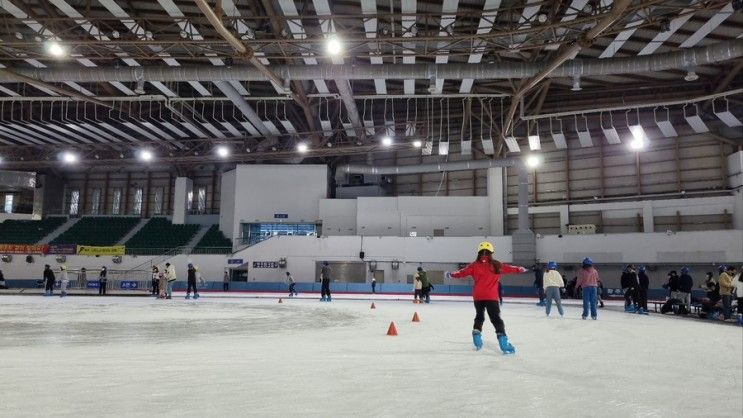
(227, 205)
(686, 247)
(16, 216)
(398, 216)
(264, 190)
(303, 252)
(338, 216)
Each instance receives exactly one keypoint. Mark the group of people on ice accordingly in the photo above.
(164, 278)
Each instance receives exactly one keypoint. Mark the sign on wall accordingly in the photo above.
(22, 249)
(281, 216)
(231, 261)
(265, 264)
(66, 249)
(129, 285)
(89, 250)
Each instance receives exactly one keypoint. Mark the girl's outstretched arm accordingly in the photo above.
(465, 272)
(511, 269)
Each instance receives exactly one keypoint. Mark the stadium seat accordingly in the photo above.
(159, 236)
(99, 231)
(28, 232)
(213, 242)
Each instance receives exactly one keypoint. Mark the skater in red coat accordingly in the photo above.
(487, 272)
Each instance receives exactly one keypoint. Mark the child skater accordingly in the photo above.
(487, 272)
(292, 285)
(552, 282)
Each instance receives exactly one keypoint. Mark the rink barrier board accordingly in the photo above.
(382, 288)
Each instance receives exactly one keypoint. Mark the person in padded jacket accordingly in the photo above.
(629, 284)
(642, 290)
(487, 272)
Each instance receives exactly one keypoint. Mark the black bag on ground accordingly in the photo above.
(672, 305)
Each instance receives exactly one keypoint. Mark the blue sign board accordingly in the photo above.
(281, 216)
(128, 285)
(237, 261)
(92, 285)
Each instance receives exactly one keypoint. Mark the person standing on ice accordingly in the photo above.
(629, 284)
(64, 280)
(325, 282)
(539, 282)
(49, 281)
(417, 286)
(192, 270)
(155, 281)
(170, 279)
(552, 281)
(588, 280)
(486, 273)
(642, 290)
(686, 284)
(425, 285)
(374, 285)
(102, 281)
(292, 285)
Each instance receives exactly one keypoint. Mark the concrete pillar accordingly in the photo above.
(496, 198)
(524, 243)
(648, 223)
(735, 180)
(183, 191)
(564, 219)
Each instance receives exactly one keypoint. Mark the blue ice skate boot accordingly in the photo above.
(188, 296)
(541, 303)
(195, 295)
(629, 308)
(477, 339)
(505, 346)
(322, 299)
(329, 299)
(642, 311)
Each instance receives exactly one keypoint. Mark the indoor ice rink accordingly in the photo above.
(376, 208)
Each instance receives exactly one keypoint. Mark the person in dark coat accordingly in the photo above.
(686, 283)
(630, 284)
(539, 282)
(325, 282)
(49, 281)
(642, 290)
(102, 281)
(192, 282)
(673, 284)
(3, 285)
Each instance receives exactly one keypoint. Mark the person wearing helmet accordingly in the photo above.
(325, 282)
(192, 282)
(629, 285)
(426, 286)
(642, 290)
(102, 281)
(292, 285)
(552, 283)
(170, 279)
(486, 272)
(155, 281)
(686, 284)
(64, 280)
(588, 278)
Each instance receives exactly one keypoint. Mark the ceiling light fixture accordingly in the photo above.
(417, 144)
(55, 49)
(576, 83)
(146, 155)
(387, 141)
(302, 147)
(334, 46)
(223, 151)
(691, 75)
(533, 161)
(69, 157)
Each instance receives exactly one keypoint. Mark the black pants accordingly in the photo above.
(540, 293)
(641, 298)
(192, 284)
(630, 297)
(374, 288)
(291, 289)
(49, 286)
(325, 288)
(102, 287)
(225, 286)
(493, 312)
(740, 304)
(155, 287)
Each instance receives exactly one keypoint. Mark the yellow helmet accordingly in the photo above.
(486, 246)
(63, 267)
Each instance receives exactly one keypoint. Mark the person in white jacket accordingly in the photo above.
(552, 284)
(64, 280)
(171, 278)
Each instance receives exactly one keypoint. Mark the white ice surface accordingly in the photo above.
(225, 357)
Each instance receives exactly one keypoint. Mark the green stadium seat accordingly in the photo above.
(213, 242)
(159, 236)
(97, 231)
(28, 232)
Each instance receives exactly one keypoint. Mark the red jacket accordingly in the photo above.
(486, 280)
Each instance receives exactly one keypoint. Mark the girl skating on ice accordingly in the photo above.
(487, 272)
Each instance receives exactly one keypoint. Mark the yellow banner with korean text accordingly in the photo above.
(91, 250)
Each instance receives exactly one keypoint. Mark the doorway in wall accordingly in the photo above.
(379, 276)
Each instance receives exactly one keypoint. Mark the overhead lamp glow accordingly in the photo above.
(223, 151)
(302, 147)
(417, 144)
(55, 49)
(691, 75)
(637, 144)
(533, 161)
(387, 141)
(334, 46)
(146, 155)
(69, 157)
(638, 132)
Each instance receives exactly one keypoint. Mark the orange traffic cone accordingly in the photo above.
(372, 306)
(281, 301)
(416, 318)
(392, 330)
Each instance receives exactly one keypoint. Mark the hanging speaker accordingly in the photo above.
(361, 255)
